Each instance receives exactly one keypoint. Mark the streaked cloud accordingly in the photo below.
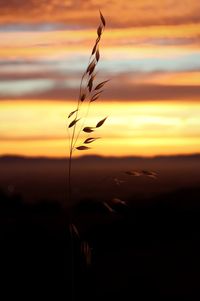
(119, 13)
(150, 51)
(133, 93)
(54, 43)
(131, 86)
(21, 87)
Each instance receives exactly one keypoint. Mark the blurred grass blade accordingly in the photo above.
(88, 129)
(102, 19)
(72, 113)
(101, 122)
(90, 140)
(99, 86)
(82, 147)
(73, 122)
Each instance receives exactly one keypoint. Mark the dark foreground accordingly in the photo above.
(147, 250)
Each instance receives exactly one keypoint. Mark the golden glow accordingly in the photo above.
(39, 128)
(149, 50)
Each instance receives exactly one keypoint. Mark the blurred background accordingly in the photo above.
(150, 51)
(149, 247)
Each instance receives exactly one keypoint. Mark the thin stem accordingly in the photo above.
(71, 144)
(83, 124)
(73, 139)
(69, 176)
(76, 134)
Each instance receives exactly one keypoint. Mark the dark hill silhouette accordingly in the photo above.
(41, 178)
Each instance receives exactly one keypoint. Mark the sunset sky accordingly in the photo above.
(150, 51)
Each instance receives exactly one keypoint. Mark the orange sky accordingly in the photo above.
(40, 128)
(150, 51)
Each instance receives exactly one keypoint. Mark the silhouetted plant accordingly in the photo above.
(89, 92)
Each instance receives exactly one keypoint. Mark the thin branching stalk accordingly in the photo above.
(88, 93)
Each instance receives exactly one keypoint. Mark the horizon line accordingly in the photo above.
(16, 156)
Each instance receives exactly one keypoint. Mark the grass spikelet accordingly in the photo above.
(86, 252)
(108, 207)
(97, 55)
(90, 140)
(82, 147)
(102, 19)
(96, 96)
(74, 231)
(101, 122)
(73, 123)
(88, 129)
(99, 86)
(72, 113)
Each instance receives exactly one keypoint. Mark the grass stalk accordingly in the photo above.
(88, 93)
